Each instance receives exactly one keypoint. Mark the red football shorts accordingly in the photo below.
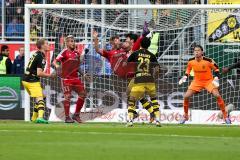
(69, 85)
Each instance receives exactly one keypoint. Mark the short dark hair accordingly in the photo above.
(4, 47)
(198, 46)
(114, 37)
(132, 36)
(40, 42)
(145, 43)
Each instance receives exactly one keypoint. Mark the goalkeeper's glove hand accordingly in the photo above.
(182, 80)
(216, 81)
(149, 35)
(145, 29)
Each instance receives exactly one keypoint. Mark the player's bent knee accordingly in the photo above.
(186, 97)
(82, 95)
(39, 99)
(132, 99)
(67, 97)
(216, 93)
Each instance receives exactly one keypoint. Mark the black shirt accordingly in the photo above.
(145, 63)
(36, 61)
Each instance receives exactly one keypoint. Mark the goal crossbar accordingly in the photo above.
(100, 6)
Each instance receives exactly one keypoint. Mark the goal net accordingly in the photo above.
(175, 30)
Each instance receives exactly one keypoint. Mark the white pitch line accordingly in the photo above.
(121, 133)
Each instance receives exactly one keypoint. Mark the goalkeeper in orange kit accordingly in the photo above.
(203, 79)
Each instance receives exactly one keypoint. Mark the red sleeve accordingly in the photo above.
(137, 44)
(61, 56)
(106, 54)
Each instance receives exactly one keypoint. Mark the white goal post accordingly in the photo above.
(184, 42)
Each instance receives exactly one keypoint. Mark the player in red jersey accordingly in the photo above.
(120, 52)
(68, 62)
(118, 56)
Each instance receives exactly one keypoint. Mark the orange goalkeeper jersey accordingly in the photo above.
(202, 69)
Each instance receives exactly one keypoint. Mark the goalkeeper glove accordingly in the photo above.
(145, 29)
(149, 35)
(182, 80)
(216, 81)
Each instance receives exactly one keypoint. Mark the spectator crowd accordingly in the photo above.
(7, 66)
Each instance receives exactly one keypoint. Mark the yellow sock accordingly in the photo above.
(155, 108)
(157, 115)
(35, 113)
(40, 113)
(131, 109)
(130, 116)
(41, 106)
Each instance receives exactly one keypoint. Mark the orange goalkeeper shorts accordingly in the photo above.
(198, 86)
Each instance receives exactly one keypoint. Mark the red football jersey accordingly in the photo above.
(137, 45)
(109, 54)
(70, 61)
(119, 65)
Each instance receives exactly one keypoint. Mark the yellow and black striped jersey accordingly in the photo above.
(36, 61)
(145, 64)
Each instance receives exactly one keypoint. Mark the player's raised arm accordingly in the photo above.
(137, 40)
(227, 69)
(95, 41)
(102, 52)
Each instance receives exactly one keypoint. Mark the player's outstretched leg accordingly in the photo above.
(40, 108)
(79, 106)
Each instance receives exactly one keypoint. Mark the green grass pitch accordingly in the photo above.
(109, 141)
